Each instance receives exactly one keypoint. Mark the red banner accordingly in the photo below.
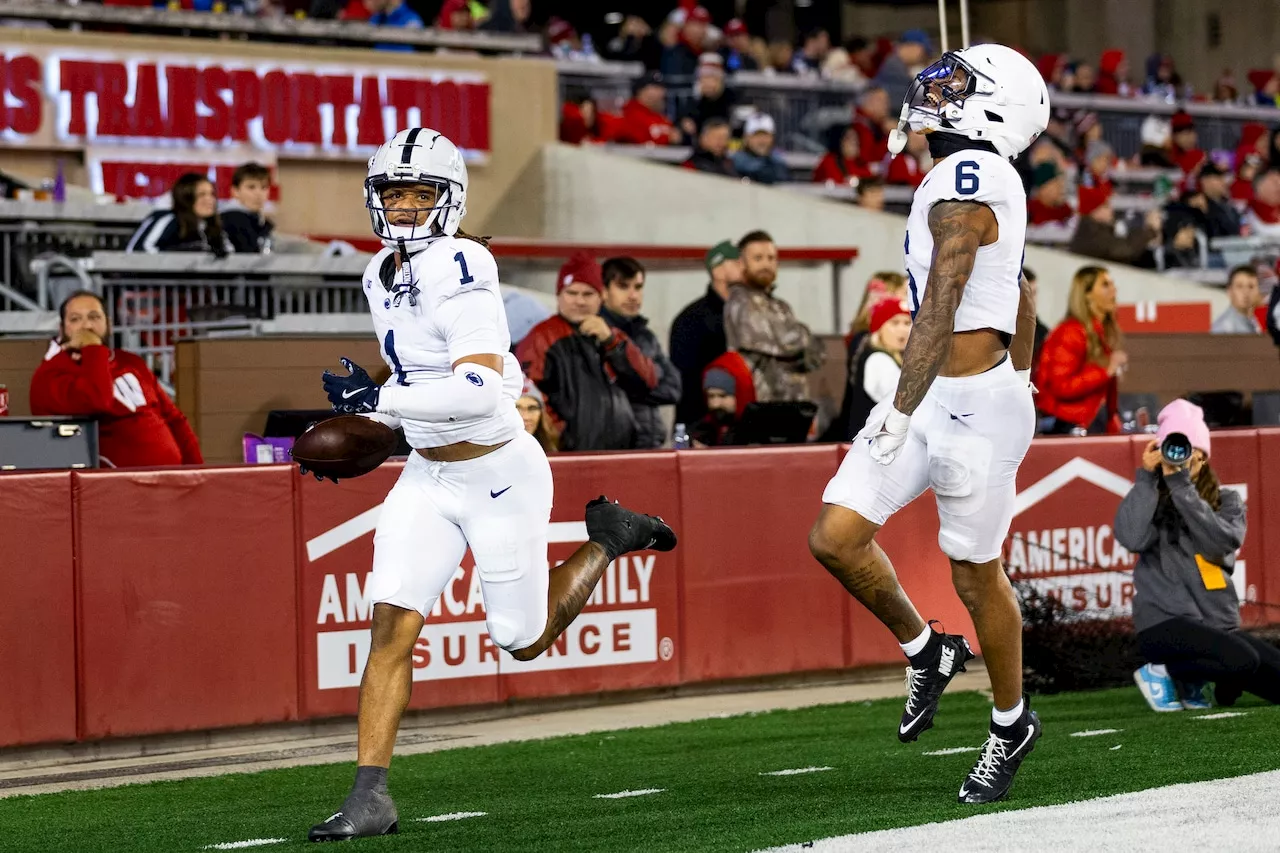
(625, 638)
(306, 109)
(754, 600)
(37, 624)
(453, 657)
(1061, 541)
(187, 600)
(193, 599)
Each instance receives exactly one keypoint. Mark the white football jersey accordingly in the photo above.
(423, 331)
(990, 298)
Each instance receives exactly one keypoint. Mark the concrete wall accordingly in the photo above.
(587, 195)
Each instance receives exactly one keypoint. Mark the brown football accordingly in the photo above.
(345, 446)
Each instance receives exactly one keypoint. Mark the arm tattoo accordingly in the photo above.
(957, 228)
(1024, 341)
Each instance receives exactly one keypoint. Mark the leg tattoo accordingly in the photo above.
(572, 583)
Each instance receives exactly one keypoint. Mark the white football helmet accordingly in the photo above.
(418, 155)
(988, 93)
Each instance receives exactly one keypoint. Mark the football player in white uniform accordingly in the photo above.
(962, 418)
(476, 478)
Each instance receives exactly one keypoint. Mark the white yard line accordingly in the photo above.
(240, 845)
(796, 771)
(1222, 716)
(437, 818)
(643, 792)
(1244, 820)
(955, 750)
(1095, 732)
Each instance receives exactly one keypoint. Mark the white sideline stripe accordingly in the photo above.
(1095, 732)
(955, 750)
(353, 528)
(240, 845)
(1222, 716)
(621, 794)
(1245, 820)
(796, 771)
(1117, 746)
(436, 818)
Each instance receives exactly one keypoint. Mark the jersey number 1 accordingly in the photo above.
(389, 346)
(467, 277)
(967, 178)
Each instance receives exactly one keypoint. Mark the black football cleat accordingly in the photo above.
(374, 814)
(1002, 755)
(927, 676)
(620, 531)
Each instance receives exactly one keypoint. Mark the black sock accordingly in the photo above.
(370, 778)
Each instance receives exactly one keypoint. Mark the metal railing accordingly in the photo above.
(157, 300)
(35, 231)
(806, 108)
(304, 30)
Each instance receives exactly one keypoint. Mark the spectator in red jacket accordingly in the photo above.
(580, 121)
(910, 167)
(643, 118)
(1184, 152)
(872, 120)
(844, 162)
(1048, 202)
(138, 425)
(1080, 365)
(586, 370)
(1099, 157)
(1113, 74)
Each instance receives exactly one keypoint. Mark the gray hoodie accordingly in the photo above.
(1167, 580)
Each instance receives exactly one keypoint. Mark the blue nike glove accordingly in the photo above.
(356, 393)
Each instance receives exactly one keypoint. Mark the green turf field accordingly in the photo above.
(541, 796)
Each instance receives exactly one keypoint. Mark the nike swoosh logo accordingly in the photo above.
(963, 791)
(494, 494)
(902, 730)
(1031, 732)
(347, 395)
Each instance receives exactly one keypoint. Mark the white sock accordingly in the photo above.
(917, 645)
(1158, 670)
(1007, 718)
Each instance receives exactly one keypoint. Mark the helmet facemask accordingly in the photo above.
(428, 222)
(937, 96)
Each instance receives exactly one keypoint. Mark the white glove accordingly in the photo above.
(887, 440)
(1025, 376)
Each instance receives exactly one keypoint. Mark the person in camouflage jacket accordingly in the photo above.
(780, 350)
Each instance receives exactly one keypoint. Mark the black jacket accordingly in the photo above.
(650, 431)
(247, 231)
(697, 339)
(702, 160)
(587, 384)
(160, 232)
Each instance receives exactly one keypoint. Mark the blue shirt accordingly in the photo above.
(400, 16)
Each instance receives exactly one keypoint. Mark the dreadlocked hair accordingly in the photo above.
(483, 241)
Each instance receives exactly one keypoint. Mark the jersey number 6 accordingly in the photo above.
(967, 178)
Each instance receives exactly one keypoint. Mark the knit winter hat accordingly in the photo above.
(885, 311)
(580, 269)
(719, 379)
(1187, 418)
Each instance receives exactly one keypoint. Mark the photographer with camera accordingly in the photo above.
(1186, 530)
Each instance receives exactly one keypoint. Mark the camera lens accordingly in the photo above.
(1176, 448)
